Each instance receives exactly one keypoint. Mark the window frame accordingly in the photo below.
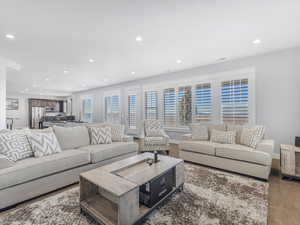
(82, 99)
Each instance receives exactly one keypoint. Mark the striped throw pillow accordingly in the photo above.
(252, 135)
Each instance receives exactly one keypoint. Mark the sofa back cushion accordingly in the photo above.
(252, 135)
(43, 143)
(199, 132)
(223, 137)
(5, 162)
(100, 135)
(14, 145)
(220, 127)
(153, 128)
(72, 137)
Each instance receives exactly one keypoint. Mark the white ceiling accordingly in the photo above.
(56, 35)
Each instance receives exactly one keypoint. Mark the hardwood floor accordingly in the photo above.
(284, 197)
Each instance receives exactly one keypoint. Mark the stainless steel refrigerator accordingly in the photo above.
(36, 117)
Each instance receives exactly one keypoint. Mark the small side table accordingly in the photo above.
(290, 161)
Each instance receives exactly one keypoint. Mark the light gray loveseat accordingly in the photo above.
(31, 177)
(232, 157)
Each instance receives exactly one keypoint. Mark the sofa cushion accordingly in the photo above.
(199, 132)
(204, 147)
(5, 162)
(72, 137)
(243, 153)
(223, 137)
(210, 127)
(107, 151)
(33, 168)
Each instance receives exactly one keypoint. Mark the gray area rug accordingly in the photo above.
(210, 197)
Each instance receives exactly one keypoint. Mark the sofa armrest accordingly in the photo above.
(127, 138)
(266, 146)
(5, 162)
(187, 137)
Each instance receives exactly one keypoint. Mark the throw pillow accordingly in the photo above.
(252, 135)
(210, 127)
(223, 137)
(117, 132)
(43, 143)
(14, 145)
(100, 135)
(238, 129)
(199, 132)
(153, 128)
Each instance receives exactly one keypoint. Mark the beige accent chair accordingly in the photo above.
(232, 157)
(153, 137)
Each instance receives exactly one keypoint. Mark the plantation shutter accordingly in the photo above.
(87, 111)
(234, 101)
(151, 111)
(112, 109)
(203, 102)
(170, 107)
(184, 103)
(132, 111)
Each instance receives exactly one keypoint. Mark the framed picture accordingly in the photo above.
(12, 104)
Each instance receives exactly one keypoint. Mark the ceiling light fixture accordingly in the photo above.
(91, 60)
(132, 72)
(256, 41)
(139, 38)
(66, 71)
(178, 61)
(10, 36)
(47, 79)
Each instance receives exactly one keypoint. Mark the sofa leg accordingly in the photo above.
(168, 152)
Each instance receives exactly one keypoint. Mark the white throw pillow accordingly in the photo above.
(100, 135)
(14, 145)
(43, 143)
(223, 137)
(252, 135)
(199, 132)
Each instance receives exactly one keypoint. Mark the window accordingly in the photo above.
(132, 111)
(184, 105)
(87, 110)
(203, 102)
(112, 109)
(151, 105)
(234, 101)
(170, 107)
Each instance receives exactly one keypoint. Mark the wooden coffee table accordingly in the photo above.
(110, 194)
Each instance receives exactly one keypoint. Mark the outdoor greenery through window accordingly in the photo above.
(184, 105)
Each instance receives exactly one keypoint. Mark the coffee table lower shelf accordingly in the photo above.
(106, 212)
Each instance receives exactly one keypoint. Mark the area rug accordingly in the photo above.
(210, 197)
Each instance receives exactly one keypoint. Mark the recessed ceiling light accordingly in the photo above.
(91, 60)
(47, 79)
(66, 71)
(132, 72)
(256, 41)
(178, 61)
(139, 38)
(10, 36)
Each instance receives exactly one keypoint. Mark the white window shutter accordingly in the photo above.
(203, 102)
(132, 111)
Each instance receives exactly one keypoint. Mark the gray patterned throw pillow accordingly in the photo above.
(223, 137)
(153, 128)
(14, 145)
(100, 135)
(252, 135)
(43, 143)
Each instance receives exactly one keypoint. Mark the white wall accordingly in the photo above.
(277, 91)
(22, 114)
(2, 97)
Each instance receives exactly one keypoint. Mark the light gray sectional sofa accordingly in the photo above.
(31, 177)
(236, 157)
